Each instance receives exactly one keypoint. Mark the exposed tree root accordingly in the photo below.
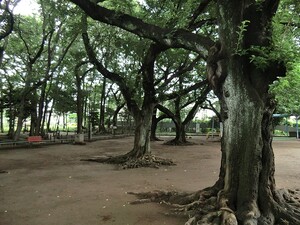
(155, 139)
(129, 162)
(179, 143)
(209, 207)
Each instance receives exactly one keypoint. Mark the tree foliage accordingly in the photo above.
(287, 91)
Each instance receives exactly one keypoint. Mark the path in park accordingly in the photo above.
(50, 185)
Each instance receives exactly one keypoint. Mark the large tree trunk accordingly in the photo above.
(180, 133)
(249, 185)
(243, 143)
(142, 120)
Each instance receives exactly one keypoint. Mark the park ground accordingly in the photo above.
(49, 185)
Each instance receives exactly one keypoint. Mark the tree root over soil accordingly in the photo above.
(208, 207)
(155, 139)
(175, 142)
(129, 162)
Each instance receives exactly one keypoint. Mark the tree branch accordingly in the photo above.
(120, 81)
(196, 106)
(183, 92)
(202, 6)
(171, 38)
(10, 22)
(184, 68)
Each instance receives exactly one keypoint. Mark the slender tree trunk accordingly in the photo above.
(11, 122)
(115, 116)
(79, 108)
(41, 112)
(49, 117)
(154, 124)
(1, 54)
(44, 118)
(21, 113)
(11, 113)
(102, 107)
(1, 106)
(33, 120)
(1, 122)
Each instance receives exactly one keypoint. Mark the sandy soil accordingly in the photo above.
(51, 186)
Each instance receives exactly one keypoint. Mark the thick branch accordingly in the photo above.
(202, 6)
(147, 69)
(166, 111)
(10, 23)
(120, 81)
(212, 108)
(171, 38)
(183, 92)
(184, 68)
(196, 106)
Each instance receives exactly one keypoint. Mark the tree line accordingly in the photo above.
(48, 67)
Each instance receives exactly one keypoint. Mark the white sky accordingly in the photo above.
(26, 7)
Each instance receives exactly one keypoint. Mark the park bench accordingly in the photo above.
(34, 139)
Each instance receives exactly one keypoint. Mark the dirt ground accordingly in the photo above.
(50, 185)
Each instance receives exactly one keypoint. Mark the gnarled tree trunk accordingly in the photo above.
(249, 190)
(142, 120)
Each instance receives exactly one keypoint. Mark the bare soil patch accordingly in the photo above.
(50, 185)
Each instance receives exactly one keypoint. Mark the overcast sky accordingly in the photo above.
(26, 7)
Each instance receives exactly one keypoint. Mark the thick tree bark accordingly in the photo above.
(142, 122)
(180, 133)
(249, 186)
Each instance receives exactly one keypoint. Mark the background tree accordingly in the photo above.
(142, 88)
(180, 105)
(287, 90)
(6, 23)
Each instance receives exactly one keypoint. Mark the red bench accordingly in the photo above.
(32, 139)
